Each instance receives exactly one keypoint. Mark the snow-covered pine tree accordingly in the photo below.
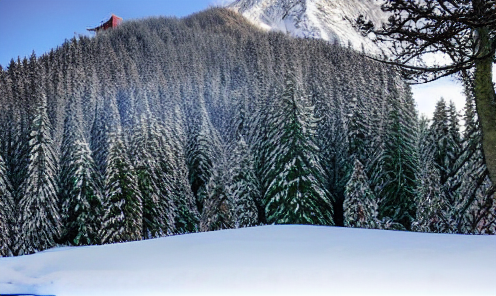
(433, 210)
(218, 205)
(440, 144)
(106, 121)
(79, 190)
(148, 154)
(454, 149)
(454, 136)
(123, 210)
(244, 187)
(360, 204)
(295, 191)
(186, 216)
(357, 132)
(40, 223)
(204, 146)
(6, 211)
(17, 148)
(399, 158)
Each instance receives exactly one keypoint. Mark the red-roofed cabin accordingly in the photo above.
(113, 22)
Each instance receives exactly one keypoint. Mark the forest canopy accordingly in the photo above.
(166, 126)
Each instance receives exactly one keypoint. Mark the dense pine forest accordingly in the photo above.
(167, 126)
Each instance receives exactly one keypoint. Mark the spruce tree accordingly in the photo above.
(360, 204)
(6, 212)
(186, 216)
(218, 207)
(399, 160)
(244, 187)
(295, 191)
(432, 207)
(202, 152)
(80, 192)
(40, 222)
(155, 186)
(123, 213)
(433, 210)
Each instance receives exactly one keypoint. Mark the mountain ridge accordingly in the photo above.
(320, 19)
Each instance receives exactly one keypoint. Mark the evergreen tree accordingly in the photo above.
(244, 187)
(433, 211)
(440, 145)
(154, 185)
(360, 205)
(6, 212)
(218, 209)
(40, 223)
(123, 213)
(186, 216)
(295, 191)
(399, 160)
(203, 150)
(432, 207)
(80, 193)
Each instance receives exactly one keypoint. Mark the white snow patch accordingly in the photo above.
(269, 260)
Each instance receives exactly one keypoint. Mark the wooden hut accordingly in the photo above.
(113, 22)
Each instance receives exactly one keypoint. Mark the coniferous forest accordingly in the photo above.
(167, 126)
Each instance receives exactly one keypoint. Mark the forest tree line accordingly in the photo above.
(167, 126)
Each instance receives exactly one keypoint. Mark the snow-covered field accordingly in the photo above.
(269, 260)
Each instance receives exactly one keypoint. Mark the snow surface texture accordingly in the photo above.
(330, 20)
(268, 260)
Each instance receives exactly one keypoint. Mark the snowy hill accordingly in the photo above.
(325, 19)
(269, 260)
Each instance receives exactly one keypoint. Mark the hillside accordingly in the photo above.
(268, 260)
(168, 126)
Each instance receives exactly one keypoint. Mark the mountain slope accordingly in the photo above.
(187, 93)
(330, 20)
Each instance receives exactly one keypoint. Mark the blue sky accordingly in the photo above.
(39, 25)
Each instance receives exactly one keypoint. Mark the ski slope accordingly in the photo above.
(268, 260)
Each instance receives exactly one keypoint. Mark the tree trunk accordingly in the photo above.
(485, 101)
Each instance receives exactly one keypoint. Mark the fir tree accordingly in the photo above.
(244, 187)
(154, 185)
(295, 191)
(399, 160)
(203, 150)
(360, 205)
(123, 215)
(186, 216)
(40, 223)
(80, 193)
(433, 213)
(6, 212)
(218, 210)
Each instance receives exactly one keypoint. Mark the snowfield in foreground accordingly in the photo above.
(268, 260)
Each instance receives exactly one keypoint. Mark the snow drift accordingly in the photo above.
(269, 260)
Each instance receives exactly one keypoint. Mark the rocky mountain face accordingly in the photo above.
(331, 20)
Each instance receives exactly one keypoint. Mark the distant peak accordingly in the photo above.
(330, 20)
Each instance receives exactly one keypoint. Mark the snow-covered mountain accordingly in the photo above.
(330, 20)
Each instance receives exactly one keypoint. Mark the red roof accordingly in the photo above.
(113, 22)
